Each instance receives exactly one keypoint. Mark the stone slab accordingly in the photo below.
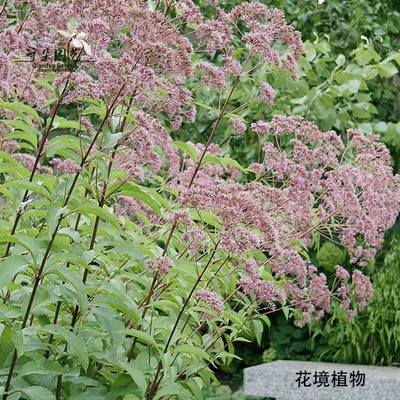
(278, 379)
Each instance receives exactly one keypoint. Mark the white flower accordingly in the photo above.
(321, 1)
(77, 41)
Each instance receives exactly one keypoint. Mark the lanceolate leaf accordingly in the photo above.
(91, 208)
(136, 375)
(173, 389)
(142, 336)
(20, 109)
(38, 393)
(11, 266)
(27, 242)
(53, 215)
(32, 186)
(186, 148)
(192, 350)
(6, 344)
(75, 342)
(41, 367)
(137, 192)
(75, 279)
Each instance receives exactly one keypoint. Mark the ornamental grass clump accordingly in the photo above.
(132, 262)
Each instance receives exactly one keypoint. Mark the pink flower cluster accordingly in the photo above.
(239, 127)
(66, 166)
(265, 291)
(309, 187)
(211, 300)
(267, 93)
(307, 182)
(160, 264)
(196, 240)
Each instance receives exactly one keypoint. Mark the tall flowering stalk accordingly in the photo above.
(132, 262)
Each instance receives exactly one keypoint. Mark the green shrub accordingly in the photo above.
(373, 337)
(330, 255)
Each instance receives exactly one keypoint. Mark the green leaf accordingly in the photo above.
(208, 218)
(89, 256)
(59, 144)
(27, 243)
(235, 116)
(45, 84)
(342, 77)
(100, 111)
(209, 108)
(397, 58)
(62, 123)
(192, 350)
(38, 393)
(364, 56)
(72, 233)
(92, 208)
(311, 53)
(266, 320)
(111, 139)
(231, 161)
(6, 344)
(142, 336)
(173, 389)
(196, 389)
(7, 193)
(140, 193)
(75, 279)
(19, 107)
(360, 110)
(41, 367)
(67, 257)
(10, 267)
(32, 186)
(387, 69)
(209, 159)
(75, 342)
(381, 127)
(340, 60)
(8, 167)
(258, 330)
(323, 47)
(17, 338)
(8, 157)
(285, 311)
(136, 375)
(160, 199)
(350, 87)
(23, 131)
(53, 216)
(187, 149)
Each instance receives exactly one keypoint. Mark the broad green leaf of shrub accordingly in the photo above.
(187, 149)
(75, 279)
(20, 109)
(191, 350)
(32, 186)
(74, 341)
(172, 389)
(38, 393)
(11, 266)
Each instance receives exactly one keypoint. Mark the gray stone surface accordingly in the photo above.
(278, 379)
